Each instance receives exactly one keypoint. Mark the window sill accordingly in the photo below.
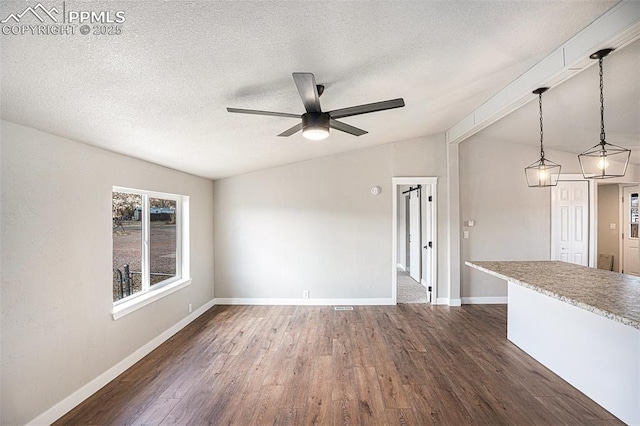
(149, 297)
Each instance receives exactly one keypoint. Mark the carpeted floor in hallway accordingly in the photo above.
(410, 291)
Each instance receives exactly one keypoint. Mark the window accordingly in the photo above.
(150, 257)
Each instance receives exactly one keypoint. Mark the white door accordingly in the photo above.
(570, 222)
(415, 235)
(631, 264)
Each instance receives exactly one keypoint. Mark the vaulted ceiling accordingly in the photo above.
(159, 90)
(571, 110)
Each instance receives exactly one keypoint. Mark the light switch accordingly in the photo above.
(612, 226)
(465, 234)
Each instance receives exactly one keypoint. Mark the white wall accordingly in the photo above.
(512, 221)
(315, 226)
(57, 329)
(608, 213)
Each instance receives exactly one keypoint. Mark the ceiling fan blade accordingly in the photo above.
(257, 112)
(292, 130)
(367, 108)
(306, 84)
(344, 127)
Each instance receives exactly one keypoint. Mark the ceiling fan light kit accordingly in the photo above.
(315, 123)
(604, 160)
(543, 172)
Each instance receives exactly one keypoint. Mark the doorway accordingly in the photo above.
(414, 240)
(609, 210)
(606, 221)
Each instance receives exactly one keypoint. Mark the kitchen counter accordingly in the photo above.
(581, 323)
(609, 294)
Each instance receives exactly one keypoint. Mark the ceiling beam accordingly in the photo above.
(616, 28)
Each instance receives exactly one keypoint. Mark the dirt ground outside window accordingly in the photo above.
(127, 249)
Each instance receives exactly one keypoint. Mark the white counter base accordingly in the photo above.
(598, 356)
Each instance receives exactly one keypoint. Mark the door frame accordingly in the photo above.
(432, 255)
(593, 219)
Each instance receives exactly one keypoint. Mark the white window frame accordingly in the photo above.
(149, 293)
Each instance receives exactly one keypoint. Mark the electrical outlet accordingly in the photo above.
(465, 234)
(305, 294)
(190, 307)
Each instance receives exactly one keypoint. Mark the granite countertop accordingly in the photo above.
(610, 294)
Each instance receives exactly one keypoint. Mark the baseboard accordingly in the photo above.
(495, 300)
(400, 266)
(448, 302)
(301, 302)
(70, 402)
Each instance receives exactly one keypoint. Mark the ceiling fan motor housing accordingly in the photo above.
(315, 122)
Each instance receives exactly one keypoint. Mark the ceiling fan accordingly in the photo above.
(315, 123)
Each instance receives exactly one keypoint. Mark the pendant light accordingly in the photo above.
(543, 172)
(604, 160)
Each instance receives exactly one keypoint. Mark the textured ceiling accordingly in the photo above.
(159, 90)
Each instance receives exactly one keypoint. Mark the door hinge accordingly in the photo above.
(429, 288)
(430, 198)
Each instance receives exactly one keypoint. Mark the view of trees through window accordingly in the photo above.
(129, 220)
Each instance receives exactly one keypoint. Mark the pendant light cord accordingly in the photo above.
(601, 104)
(541, 131)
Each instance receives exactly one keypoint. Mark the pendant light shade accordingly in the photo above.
(543, 172)
(604, 160)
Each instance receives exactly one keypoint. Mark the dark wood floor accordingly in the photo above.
(405, 364)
